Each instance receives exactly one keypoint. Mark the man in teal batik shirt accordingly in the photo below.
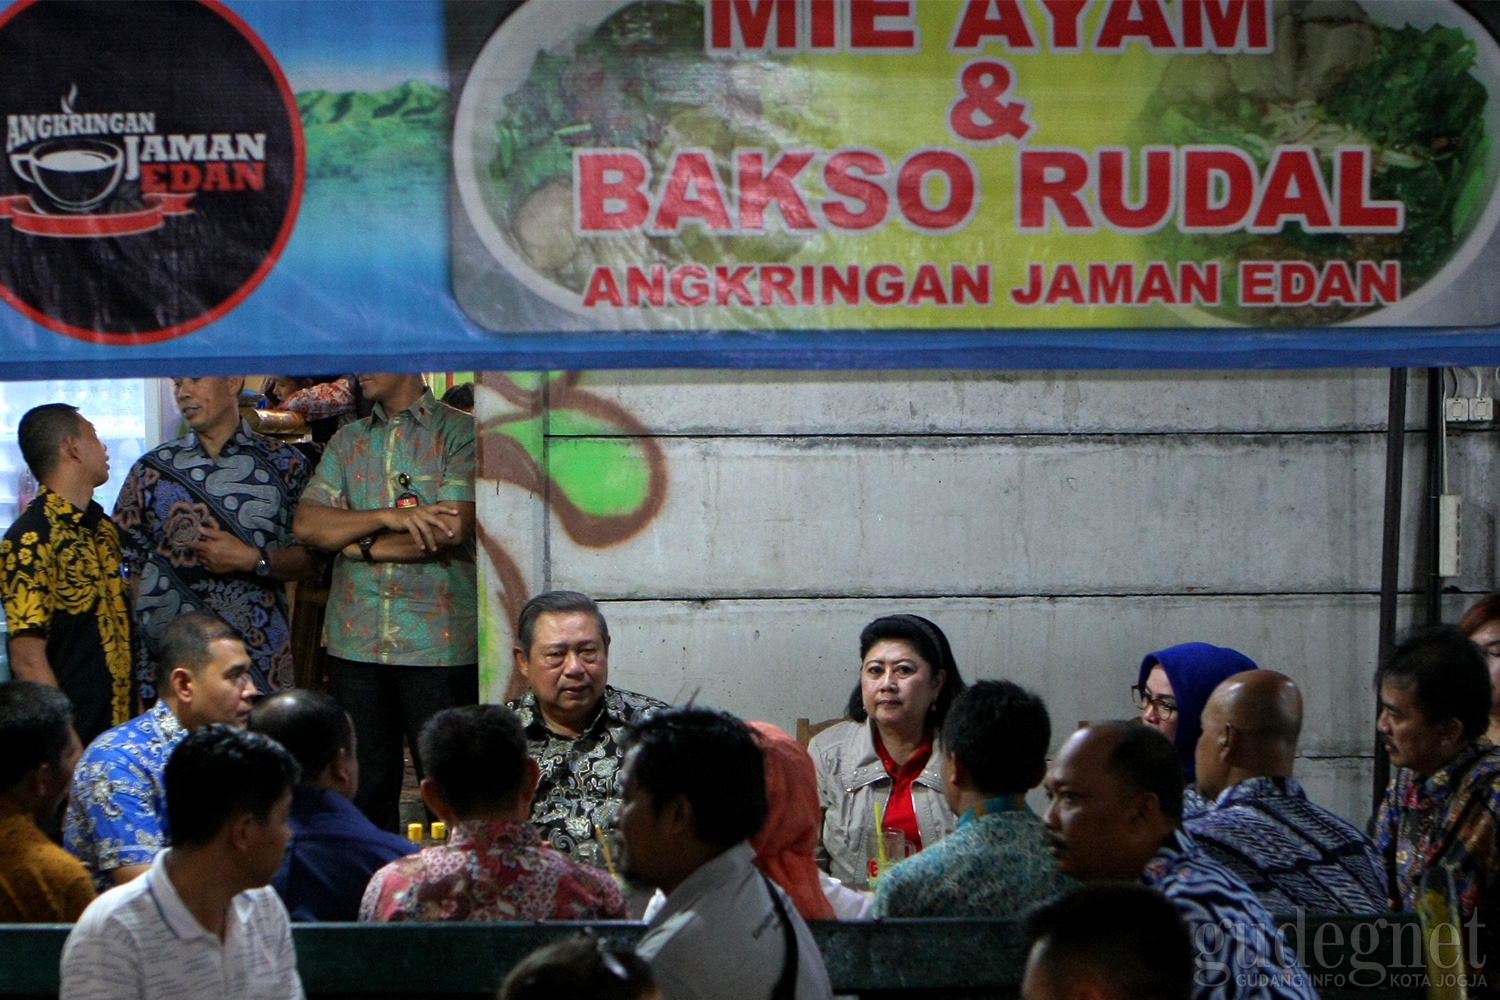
(996, 864)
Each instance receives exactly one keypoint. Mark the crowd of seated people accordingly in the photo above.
(185, 835)
(722, 818)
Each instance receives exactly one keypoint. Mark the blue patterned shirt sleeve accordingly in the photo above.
(1242, 954)
(1291, 852)
(297, 471)
(117, 812)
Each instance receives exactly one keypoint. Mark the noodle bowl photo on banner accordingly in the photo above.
(671, 164)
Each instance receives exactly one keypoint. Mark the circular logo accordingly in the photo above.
(153, 165)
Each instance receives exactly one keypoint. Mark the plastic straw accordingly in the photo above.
(604, 847)
(879, 835)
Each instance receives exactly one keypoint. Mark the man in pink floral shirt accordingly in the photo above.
(495, 866)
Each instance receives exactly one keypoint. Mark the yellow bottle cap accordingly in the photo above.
(439, 830)
(414, 832)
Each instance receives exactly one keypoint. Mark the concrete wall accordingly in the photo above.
(743, 526)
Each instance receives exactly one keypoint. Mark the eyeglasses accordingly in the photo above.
(1166, 705)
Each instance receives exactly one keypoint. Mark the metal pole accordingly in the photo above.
(1390, 549)
(1435, 392)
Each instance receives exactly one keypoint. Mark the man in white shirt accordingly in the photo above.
(202, 923)
(694, 793)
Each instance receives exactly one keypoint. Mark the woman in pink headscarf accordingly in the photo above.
(784, 848)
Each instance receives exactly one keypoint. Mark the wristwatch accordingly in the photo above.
(364, 547)
(263, 564)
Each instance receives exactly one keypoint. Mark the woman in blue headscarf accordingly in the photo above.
(1173, 687)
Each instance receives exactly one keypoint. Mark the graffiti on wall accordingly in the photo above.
(591, 462)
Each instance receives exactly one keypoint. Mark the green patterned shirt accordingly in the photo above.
(413, 614)
(994, 865)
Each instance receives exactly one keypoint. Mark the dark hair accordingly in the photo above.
(580, 968)
(219, 772)
(1000, 732)
(555, 602)
(460, 397)
(187, 641)
(711, 759)
(310, 724)
(1449, 676)
(35, 720)
(931, 645)
(1126, 937)
(1480, 614)
(1147, 762)
(41, 432)
(475, 756)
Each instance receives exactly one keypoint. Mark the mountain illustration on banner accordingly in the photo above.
(391, 133)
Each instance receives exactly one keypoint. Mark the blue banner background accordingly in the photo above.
(363, 282)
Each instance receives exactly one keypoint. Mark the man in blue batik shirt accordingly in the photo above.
(1116, 812)
(996, 864)
(334, 848)
(206, 525)
(1293, 854)
(117, 812)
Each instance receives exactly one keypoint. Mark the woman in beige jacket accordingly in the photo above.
(889, 750)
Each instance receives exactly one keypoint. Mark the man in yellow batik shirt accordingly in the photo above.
(65, 602)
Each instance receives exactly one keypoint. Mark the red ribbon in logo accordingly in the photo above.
(23, 215)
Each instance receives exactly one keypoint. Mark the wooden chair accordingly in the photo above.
(807, 729)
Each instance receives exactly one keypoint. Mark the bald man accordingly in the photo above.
(1116, 814)
(1261, 826)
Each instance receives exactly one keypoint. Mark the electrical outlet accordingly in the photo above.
(1481, 408)
(1457, 410)
(1449, 556)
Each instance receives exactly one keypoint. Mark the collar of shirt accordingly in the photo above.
(609, 711)
(1266, 787)
(11, 814)
(57, 506)
(868, 768)
(729, 867)
(324, 809)
(173, 910)
(990, 807)
(164, 722)
(242, 437)
(315, 801)
(1440, 784)
(1179, 846)
(488, 835)
(914, 764)
(180, 920)
(421, 411)
(325, 821)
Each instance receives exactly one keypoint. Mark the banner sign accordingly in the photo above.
(979, 163)
(151, 203)
(262, 186)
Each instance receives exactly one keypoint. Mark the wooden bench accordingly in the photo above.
(1350, 958)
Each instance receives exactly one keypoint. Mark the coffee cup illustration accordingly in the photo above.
(74, 174)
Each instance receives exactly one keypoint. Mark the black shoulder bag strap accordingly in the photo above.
(786, 986)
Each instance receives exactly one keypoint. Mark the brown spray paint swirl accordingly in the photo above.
(503, 458)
